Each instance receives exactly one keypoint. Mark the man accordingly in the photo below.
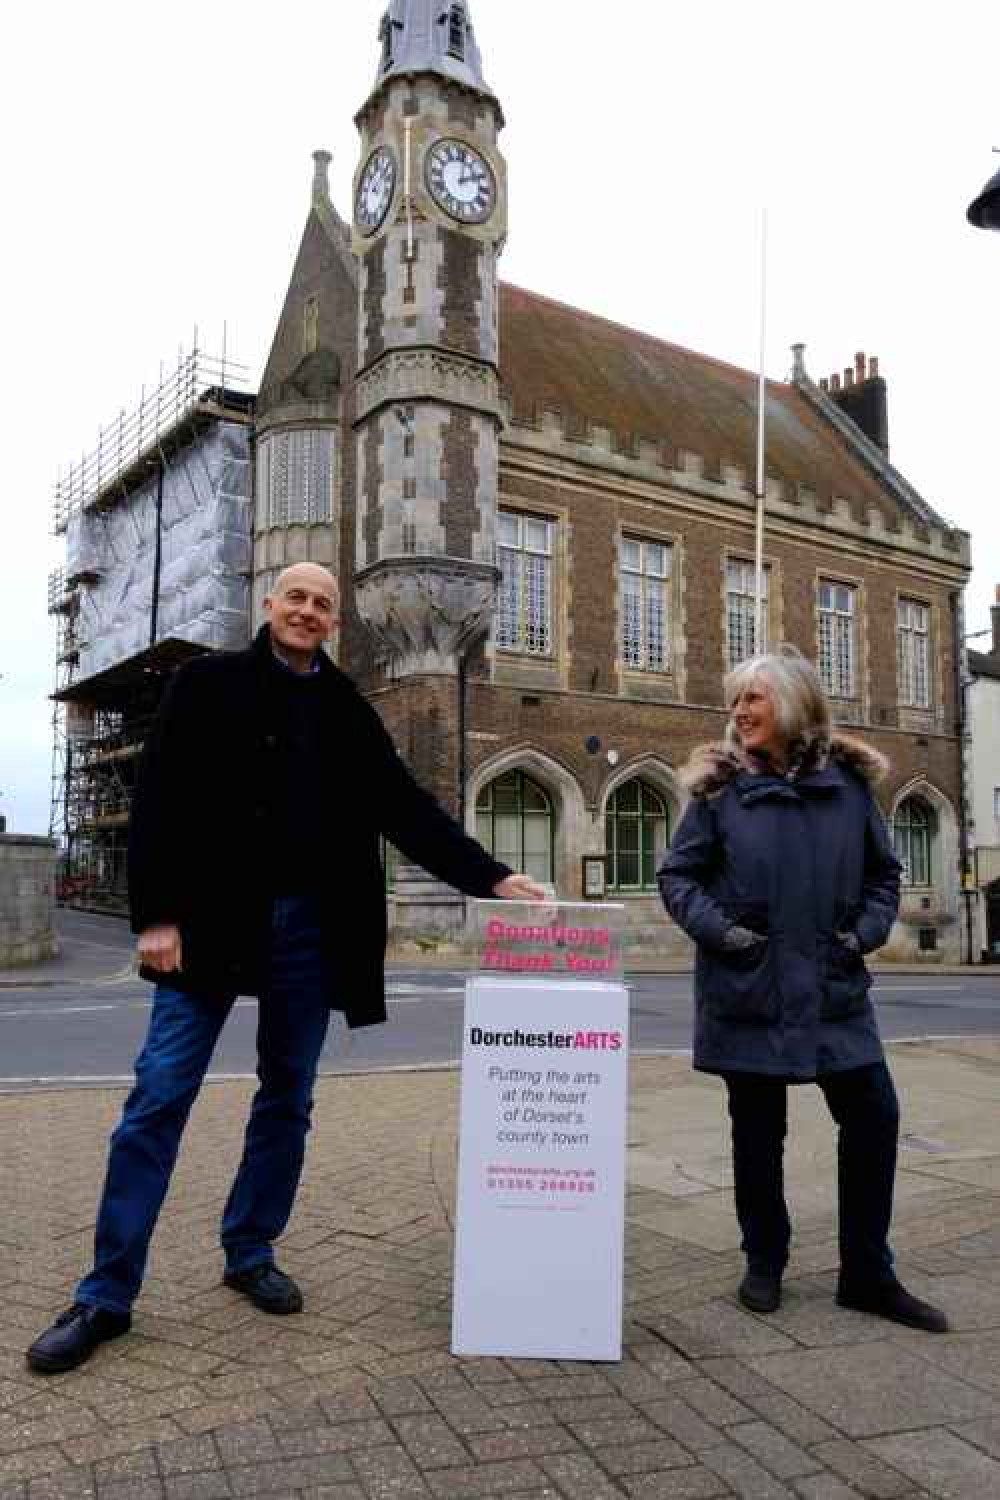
(254, 869)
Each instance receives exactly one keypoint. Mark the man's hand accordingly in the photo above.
(160, 949)
(520, 888)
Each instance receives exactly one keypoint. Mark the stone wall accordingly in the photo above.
(27, 899)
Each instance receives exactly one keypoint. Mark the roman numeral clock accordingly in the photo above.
(430, 211)
(461, 181)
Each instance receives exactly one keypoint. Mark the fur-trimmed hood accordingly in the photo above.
(712, 767)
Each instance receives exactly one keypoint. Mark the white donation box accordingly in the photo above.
(539, 1245)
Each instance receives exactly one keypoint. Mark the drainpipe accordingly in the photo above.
(462, 756)
(957, 616)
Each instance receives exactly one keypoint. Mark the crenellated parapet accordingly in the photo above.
(564, 436)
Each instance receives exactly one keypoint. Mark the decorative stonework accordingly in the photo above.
(428, 374)
(426, 612)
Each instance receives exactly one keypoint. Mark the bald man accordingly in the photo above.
(266, 787)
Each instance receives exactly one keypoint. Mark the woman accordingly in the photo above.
(782, 873)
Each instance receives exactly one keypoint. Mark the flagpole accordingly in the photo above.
(760, 602)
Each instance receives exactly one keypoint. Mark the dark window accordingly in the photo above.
(514, 820)
(457, 25)
(385, 37)
(913, 837)
(637, 830)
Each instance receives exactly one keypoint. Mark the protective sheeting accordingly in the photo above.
(206, 556)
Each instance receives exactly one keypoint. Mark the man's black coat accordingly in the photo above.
(198, 843)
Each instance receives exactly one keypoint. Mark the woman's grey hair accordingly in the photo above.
(801, 706)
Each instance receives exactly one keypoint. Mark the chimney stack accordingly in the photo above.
(862, 395)
(321, 175)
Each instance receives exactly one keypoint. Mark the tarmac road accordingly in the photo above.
(89, 1030)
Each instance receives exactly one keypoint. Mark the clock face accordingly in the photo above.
(375, 190)
(461, 181)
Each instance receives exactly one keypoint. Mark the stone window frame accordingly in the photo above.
(853, 709)
(271, 506)
(488, 840)
(612, 814)
(645, 531)
(904, 827)
(555, 523)
(772, 582)
(933, 696)
(664, 586)
(457, 23)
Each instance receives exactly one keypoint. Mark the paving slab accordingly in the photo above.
(875, 1388)
(943, 1464)
(360, 1397)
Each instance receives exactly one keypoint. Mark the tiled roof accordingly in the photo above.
(598, 372)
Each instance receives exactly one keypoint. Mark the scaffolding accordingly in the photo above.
(157, 522)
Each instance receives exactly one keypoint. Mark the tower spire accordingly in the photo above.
(430, 36)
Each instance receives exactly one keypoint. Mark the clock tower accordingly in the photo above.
(429, 221)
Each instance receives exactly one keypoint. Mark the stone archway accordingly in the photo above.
(939, 903)
(570, 812)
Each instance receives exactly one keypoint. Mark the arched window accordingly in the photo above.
(912, 836)
(457, 23)
(637, 830)
(514, 821)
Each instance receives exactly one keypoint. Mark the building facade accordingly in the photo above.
(543, 525)
(983, 714)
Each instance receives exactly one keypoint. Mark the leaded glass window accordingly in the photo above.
(524, 606)
(741, 611)
(637, 831)
(514, 821)
(645, 571)
(913, 653)
(295, 478)
(912, 836)
(837, 648)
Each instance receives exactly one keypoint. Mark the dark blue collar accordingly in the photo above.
(751, 788)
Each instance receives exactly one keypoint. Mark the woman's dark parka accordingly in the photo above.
(800, 859)
(205, 806)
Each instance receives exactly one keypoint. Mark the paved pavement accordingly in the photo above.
(360, 1399)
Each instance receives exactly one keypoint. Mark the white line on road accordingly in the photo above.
(56, 1010)
(910, 989)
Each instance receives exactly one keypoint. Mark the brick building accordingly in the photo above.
(543, 522)
(983, 708)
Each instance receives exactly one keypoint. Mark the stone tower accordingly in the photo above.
(429, 220)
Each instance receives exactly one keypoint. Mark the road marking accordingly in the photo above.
(78, 942)
(909, 989)
(56, 1010)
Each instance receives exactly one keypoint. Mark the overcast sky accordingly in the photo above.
(157, 174)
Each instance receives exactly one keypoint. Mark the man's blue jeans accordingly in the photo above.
(183, 1030)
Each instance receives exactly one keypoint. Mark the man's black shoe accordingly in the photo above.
(891, 1300)
(760, 1291)
(73, 1337)
(267, 1287)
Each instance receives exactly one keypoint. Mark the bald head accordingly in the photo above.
(301, 611)
(306, 575)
